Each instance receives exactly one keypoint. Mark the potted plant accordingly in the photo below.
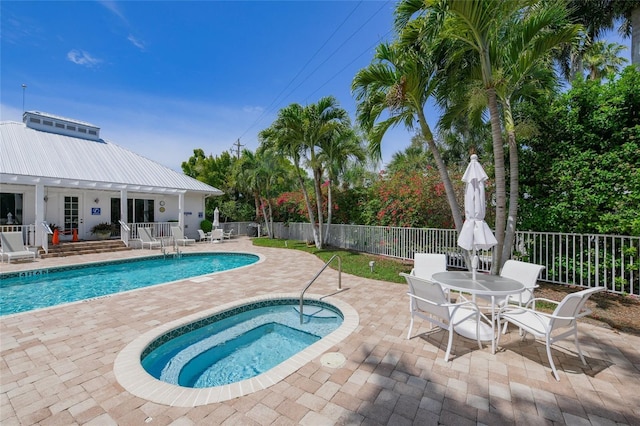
(102, 230)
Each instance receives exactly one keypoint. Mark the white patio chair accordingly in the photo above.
(228, 235)
(179, 238)
(524, 272)
(202, 235)
(217, 235)
(145, 237)
(13, 247)
(427, 264)
(428, 301)
(543, 325)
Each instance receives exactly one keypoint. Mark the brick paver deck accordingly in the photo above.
(56, 364)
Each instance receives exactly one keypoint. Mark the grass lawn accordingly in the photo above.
(354, 263)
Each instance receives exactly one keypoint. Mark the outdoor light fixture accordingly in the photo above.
(46, 198)
(371, 264)
(97, 200)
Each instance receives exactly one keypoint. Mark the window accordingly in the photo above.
(93, 132)
(10, 204)
(71, 128)
(60, 125)
(138, 210)
(34, 120)
(82, 130)
(47, 123)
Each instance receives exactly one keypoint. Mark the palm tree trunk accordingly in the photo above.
(270, 217)
(266, 219)
(329, 212)
(256, 201)
(635, 37)
(317, 176)
(307, 201)
(442, 169)
(514, 183)
(501, 193)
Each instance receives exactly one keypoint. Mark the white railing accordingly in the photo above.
(46, 231)
(585, 260)
(28, 232)
(125, 232)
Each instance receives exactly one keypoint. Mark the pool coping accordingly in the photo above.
(134, 378)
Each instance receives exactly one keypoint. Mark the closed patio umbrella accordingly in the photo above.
(475, 233)
(216, 218)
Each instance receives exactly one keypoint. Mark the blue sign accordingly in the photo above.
(188, 213)
(200, 215)
(95, 211)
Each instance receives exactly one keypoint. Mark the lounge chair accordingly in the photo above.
(544, 325)
(228, 235)
(217, 235)
(202, 236)
(179, 238)
(147, 239)
(428, 301)
(13, 247)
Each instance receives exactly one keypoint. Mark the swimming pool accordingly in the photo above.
(238, 344)
(131, 375)
(29, 290)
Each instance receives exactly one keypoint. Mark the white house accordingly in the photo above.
(59, 170)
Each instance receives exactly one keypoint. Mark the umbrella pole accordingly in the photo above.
(474, 264)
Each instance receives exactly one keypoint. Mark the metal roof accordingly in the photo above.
(29, 156)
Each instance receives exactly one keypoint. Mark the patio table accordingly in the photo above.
(491, 286)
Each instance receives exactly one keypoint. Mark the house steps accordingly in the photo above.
(83, 247)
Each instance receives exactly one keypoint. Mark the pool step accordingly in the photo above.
(83, 247)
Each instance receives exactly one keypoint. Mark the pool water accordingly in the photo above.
(240, 346)
(29, 290)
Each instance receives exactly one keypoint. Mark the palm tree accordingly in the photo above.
(297, 133)
(336, 151)
(597, 17)
(398, 83)
(602, 59)
(244, 178)
(503, 46)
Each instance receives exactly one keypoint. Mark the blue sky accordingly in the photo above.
(162, 78)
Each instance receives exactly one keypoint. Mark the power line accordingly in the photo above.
(271, 105)
(277, 98)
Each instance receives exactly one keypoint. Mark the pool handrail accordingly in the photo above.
(316, 277)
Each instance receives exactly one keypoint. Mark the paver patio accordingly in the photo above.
(56, 364)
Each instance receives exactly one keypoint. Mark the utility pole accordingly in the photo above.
(24, 87)
(237, 146)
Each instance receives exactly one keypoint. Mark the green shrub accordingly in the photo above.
(206, 225)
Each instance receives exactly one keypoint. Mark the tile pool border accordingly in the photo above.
(134, 378)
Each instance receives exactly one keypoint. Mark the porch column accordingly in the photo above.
(181, 211)
(39, 204)
(123, 206)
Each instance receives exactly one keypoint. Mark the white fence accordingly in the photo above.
(585, 260)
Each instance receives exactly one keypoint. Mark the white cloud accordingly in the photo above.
(81, 57)
(113, 8)
(137, 43)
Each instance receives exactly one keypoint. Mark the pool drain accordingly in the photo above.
(333, 360)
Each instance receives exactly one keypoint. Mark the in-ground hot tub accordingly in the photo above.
(236, 349)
